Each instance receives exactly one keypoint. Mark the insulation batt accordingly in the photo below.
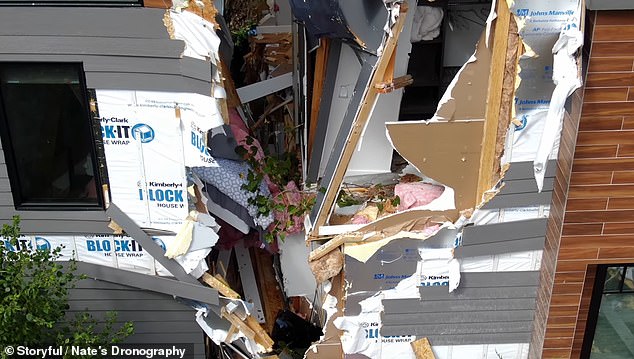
(416, 194)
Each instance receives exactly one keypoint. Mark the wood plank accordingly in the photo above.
(614, 94)
(596, 123)
(602, 80)
(361, 118)
(613, 33)
(499, 98)
(158, 4)
(612, 49)
(318, 87)
(223, 288)
(611, 64)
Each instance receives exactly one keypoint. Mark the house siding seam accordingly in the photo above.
(590, 223)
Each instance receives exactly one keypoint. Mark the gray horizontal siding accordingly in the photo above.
(507, 231)
(498, 238)
(113, 46)
(524, 170)
(157, 318)
(520, 189)
(487, 308)
(83, 22)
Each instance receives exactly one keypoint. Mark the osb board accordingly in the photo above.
(469, 94)
(448, 152)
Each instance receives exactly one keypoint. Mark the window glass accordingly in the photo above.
(615, 325)
(613, 279)
(47, 135)
(628, 284)
(612, 337)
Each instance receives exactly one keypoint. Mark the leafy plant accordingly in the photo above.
(34, 292)
(290, 204)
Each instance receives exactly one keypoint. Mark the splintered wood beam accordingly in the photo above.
(361, 118)
(222, 288)
(321, 59)
(488, 158)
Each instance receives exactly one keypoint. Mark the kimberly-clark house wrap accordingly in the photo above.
(149, 138)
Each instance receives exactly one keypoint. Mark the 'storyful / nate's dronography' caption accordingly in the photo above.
(112, 351)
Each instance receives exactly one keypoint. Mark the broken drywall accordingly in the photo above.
(465, 98)
(448, 152)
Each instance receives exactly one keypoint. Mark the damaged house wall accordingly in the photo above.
(501, 184)
(120, 49)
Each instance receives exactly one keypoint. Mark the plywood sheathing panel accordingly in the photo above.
(448, 152)
(362, 116)
(499, 98)
(466, 99)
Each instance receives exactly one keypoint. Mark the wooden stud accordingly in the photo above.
(238, 323)
(333, 244)
(318, 87)
(261, 336)
(494, 99)
(361, 118)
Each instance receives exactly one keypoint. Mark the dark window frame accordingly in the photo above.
(595, 303)
(11, 163)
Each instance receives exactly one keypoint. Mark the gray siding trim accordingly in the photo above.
(153, 283)
(452, 329)
(440, 292)
(524, 170)
(134, 231)
(83, 22)
(417, 306)
(519, 200)
(74, 45)
(507, 231)
(498, 279)
(526, 186)
(520, 245)
(146, 82)
(458, 317)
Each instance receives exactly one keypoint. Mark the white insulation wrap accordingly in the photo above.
(545, 83)
(147, 148)
(115, 251)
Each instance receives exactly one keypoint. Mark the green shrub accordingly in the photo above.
(34, 292)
